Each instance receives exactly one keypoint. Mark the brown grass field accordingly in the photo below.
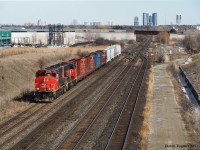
(18, 67)
(144, 130)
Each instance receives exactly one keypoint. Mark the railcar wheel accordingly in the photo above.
(75, 83)
(64, 89)
(55, 95)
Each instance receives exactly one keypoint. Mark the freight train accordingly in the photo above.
(55, 80)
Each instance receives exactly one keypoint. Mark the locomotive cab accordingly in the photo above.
(54, 81)
(45, 85)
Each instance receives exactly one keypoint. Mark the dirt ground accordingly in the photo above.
(18, 67)
(144, 130)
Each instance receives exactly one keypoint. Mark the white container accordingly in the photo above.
(112, 52)
(108, 54)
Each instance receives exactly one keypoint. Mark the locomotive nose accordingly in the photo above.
(43, 86)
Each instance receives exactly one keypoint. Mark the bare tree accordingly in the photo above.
(192, 42)
(163, 37)
(41, 62)
(198, 42)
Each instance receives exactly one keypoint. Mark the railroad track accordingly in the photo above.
(79, 132)
(120, 137)
(21, 118)
(15, 119)
(37, 134)
(30, 139)
(87, 127)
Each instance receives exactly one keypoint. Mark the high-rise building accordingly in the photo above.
(86, 23)
(145, 19)
(150, 20)
(178, 19)
(154, 19)
(136, 21)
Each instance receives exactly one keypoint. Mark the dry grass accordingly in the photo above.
(144, 130)
(175, 42)
(22, 50)
(189, 113)
(18, 67)
(11, 107)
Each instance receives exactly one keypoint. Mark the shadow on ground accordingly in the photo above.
(25, 96)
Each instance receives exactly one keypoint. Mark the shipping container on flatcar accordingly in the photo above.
(91, 63)
(82, 67)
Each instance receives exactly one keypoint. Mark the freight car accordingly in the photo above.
(57, 79)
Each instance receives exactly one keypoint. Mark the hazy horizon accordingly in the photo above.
(119, 11)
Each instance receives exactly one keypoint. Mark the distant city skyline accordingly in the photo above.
(119, 11)
(178, 19)
(150, 20)
(136, 21)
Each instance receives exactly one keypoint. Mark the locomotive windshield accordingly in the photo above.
(45, 73)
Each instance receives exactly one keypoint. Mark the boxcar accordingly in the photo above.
(91, 63)
(112, 53)
(82, 67)
(103, 56)
(119, 51)
(115, 50)
(98, 59)
(108, 54)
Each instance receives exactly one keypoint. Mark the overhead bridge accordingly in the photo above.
(148, 32)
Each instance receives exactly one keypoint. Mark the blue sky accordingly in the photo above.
(120, 11)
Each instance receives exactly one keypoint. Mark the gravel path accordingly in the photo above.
(166, 126)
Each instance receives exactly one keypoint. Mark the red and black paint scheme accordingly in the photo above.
(54, 81)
